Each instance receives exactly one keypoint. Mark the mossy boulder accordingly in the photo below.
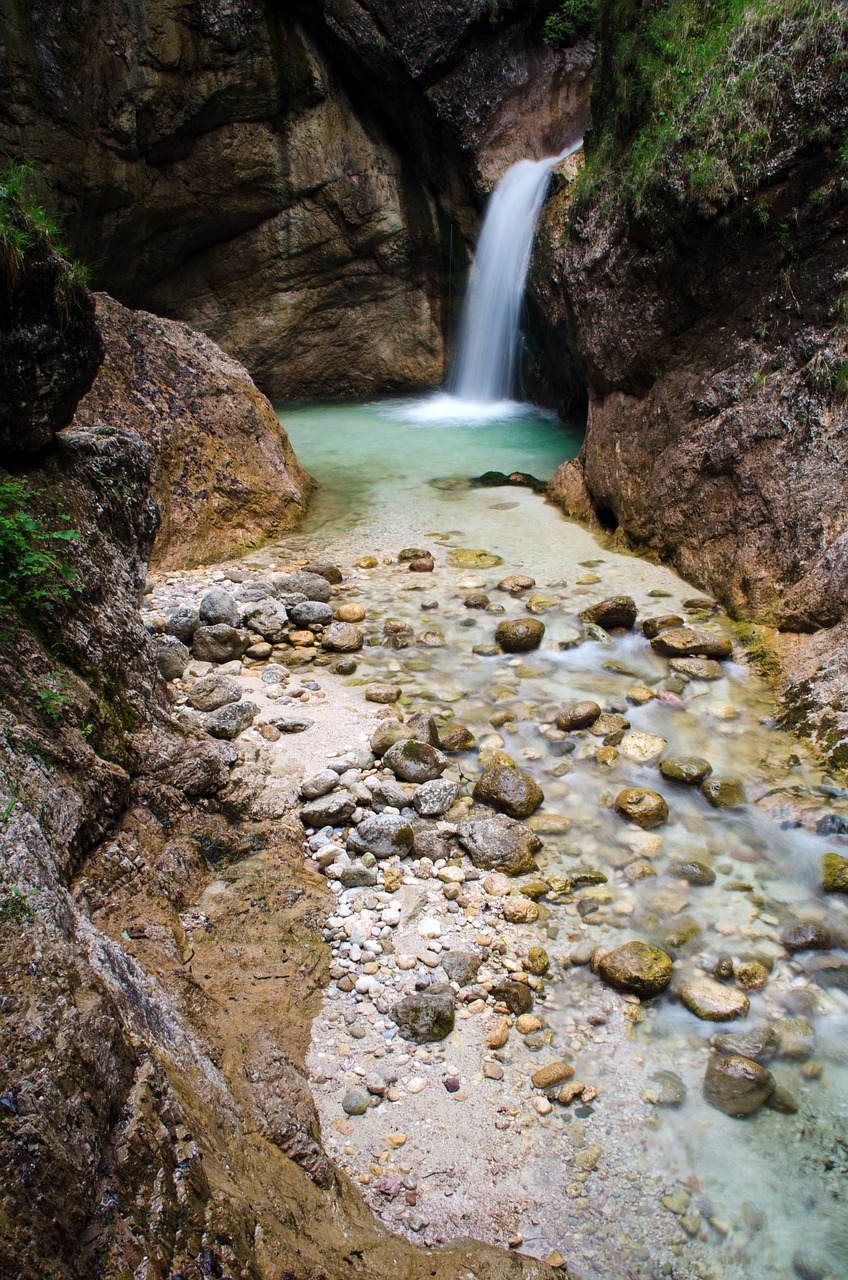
(425, 1016)
(510, 791)
(723, 793)
(637, 967)
(415, 761)
(834, 873)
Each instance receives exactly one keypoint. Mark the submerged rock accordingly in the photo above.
(425, 1016)
(580, 715)
(697, 873)
(499, 843)
(723, 793)
(691, 770)
(617, 611)
(760, 1043)
(697, 668)
(646, 808)
(807, 936)
(510, 791)
(665, 1089)
(520, 635)
(638, 967)
(711, 1001)
(737, 1086)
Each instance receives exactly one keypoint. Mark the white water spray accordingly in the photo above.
(487, 346)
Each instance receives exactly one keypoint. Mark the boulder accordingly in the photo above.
(383, 834)
(510, 791)
(434, 798)
(342, 637)
(423, 727)
(218, 643)
(229, 721)
(328, 810)
(637, 967)
(314, 586)
(218, 606)
(387, 734)
(213, 691)
(617, 611)
(183, 623)
(425, 1016)
(310, 613)
(520, 635)
(646, 808)
(269, 619)
(499, 843)
(171, 656)
(686, 642)
(415, 761)
(834, 873)
(737, 1086)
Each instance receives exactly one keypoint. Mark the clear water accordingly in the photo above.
(767, 1194)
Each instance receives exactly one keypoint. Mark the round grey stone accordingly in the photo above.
(218, 606)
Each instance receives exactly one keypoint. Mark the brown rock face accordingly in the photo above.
(225, 477)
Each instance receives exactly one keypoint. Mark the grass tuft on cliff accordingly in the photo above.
(693, 97)
(26, 227)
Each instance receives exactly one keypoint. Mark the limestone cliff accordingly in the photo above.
(697, 280)
(295, 180)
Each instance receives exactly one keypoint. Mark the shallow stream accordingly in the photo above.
(676, 1190)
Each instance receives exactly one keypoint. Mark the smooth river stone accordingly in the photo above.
(644, 748)
(711, 1001)
(686, 642)
(617, 611)
(520, 635)
(667, 622)
(697, 668)
(342, 637)
(646, 808)
(691, 770)
(578, 716)
(723, 793)
(637, 967)
(510, 791)
(737, 1086)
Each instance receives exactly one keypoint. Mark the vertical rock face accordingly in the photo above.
(224, 476)
(287, 178)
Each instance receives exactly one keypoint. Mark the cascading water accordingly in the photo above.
(484, 367)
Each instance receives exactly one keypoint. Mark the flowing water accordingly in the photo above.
(679, 1191)
(487, 346)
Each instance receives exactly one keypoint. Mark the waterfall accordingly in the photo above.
(484, 366)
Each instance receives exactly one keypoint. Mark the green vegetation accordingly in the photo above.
(693, 95)
(569, 21)
(25, 225)
(14, 907)
(32, 571)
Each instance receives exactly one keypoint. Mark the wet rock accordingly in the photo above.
(308, 614)
(330, 572)
(461, 966)
(691, 770)
(355, 1102)
(292, 724)
(751, 975)
(685, 642)
(349, 613)
(510, 791)
(515, 584)
(795, 1038)
(580, 715)
(681, 931)
(807, 936)
(760, 1043)
(637, 967)
(520, 910)
(456, 737)
(697, 668)
(422, 564)
(520, 635)
(723, 793)
(697, 873)
(384, 835)
(711, 1001)
(314, 586)
(213, 691)
(665, 1089)
(183, 623)
(466, 558)
(342, 637)
(387, 734)
(425, 1016)
(834, 873)
(423, 726)
(218, 606)
(646, 808)
(737, 1086)
(553, 1073)
(382, 693)
(538, 962)
(328, 810)
(476, 601)
(666, 622)
(617, 611)
(394, 627)
(415, 761)
(434, 798)
(782, 1100)
(644, 748)
(218, 643)
(611, 728)
(517, 996)
(171, 656)
(229, 721)
(499, 843)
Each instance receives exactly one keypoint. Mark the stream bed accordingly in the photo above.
(671, 1187)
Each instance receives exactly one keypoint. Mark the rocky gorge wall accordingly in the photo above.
(696, 281)
(297, 181)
